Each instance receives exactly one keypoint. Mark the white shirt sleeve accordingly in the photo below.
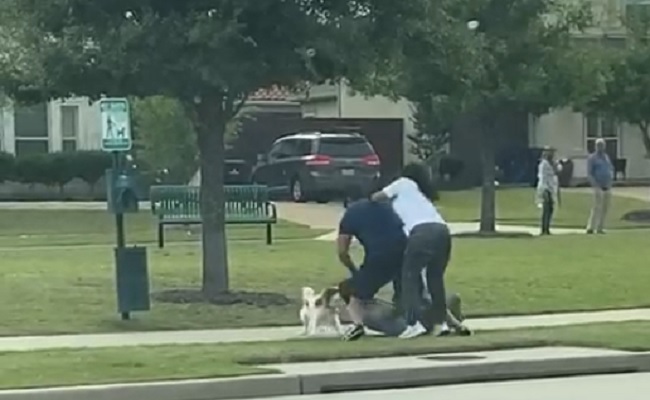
(391, 191)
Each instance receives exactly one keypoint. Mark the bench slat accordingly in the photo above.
(244, 204)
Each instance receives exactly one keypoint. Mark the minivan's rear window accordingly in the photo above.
(344, 147)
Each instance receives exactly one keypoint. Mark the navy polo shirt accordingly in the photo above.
(376, 227)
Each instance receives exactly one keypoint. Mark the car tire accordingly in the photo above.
(322, 198)
(296, 191)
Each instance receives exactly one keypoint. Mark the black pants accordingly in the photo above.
(428, 248)
(548, 206)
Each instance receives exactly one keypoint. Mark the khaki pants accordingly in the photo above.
(599, 209)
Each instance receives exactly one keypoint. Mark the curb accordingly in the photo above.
(289, 385)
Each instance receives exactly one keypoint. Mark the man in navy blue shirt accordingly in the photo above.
(379, 231)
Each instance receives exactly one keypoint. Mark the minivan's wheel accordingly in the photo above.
(322, 199)
(297, 191)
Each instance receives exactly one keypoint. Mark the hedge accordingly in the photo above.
(55, 169)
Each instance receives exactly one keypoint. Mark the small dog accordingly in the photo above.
(317, 311)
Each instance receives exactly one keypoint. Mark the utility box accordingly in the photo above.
(122, 191)
(132, 279)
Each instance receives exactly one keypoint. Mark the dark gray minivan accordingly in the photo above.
(318, 166)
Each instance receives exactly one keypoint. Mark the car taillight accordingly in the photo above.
(319, 159)
(372, 160)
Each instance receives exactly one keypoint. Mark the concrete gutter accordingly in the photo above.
(340, 381)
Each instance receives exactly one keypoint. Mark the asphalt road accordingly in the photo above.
(598, 387)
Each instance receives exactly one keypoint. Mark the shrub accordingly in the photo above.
(57, 169)
(32, 169)
(7, 166)
(90, 166)
(450, 167)
(61, 169)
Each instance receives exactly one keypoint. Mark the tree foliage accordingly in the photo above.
(208, 55)
(165, 138)
(625, 93)
(518, 58)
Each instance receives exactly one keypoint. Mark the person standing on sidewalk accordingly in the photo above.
(548, 188)
(600, 173)
(428, 247)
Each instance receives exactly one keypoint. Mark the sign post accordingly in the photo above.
(132, 281)
(116, 138)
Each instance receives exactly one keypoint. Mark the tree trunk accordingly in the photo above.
(210, 124)
(488, 165)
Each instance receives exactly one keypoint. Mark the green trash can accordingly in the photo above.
(132, 280)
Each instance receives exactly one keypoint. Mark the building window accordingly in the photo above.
(637, 13)
(69, 127)
(31, 130)
(605, 128)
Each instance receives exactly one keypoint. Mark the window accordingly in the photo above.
(290, 148)
(69, 127)
(31, 130)
(345, 146)
(303, 147)
(637, 13)
(602, 127)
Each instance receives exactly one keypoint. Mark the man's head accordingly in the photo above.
(548, 153)
(354, 194)
(419, 174)
(600, 146)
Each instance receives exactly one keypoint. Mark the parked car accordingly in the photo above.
(319, 166)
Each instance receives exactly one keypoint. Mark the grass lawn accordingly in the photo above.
(24, 228)
(112, 365)
(69, 290)
(516, 206)
(21, 228)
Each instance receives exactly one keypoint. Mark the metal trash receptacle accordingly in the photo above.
(132, 279)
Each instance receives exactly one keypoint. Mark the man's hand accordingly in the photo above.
(343, 248)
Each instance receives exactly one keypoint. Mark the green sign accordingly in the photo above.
(116, 125)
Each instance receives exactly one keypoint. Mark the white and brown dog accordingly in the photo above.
(318, 312)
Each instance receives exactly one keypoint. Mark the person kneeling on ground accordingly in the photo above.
(386, 318)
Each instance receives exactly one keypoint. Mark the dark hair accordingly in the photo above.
(355, 193)
(419, 174)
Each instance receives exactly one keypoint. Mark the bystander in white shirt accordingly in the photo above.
(547, 180)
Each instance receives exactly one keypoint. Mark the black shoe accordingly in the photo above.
(463, 331)
(590, 232)
(354, 333)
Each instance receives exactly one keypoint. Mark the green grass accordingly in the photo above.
(52, 281)
(25, 228)
(138, 364)
(70, 290)
(516, 206)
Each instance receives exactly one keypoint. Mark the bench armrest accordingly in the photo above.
(272, 210)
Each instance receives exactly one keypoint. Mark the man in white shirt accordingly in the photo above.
(428, 247)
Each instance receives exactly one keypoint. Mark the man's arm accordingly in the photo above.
(343, 248)
(347, 230)
(590, 176)
(389, 192)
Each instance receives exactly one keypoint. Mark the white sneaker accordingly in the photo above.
(413, 331)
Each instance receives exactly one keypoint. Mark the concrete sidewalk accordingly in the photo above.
(27, 343)
(365, 374)
(463, 228)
